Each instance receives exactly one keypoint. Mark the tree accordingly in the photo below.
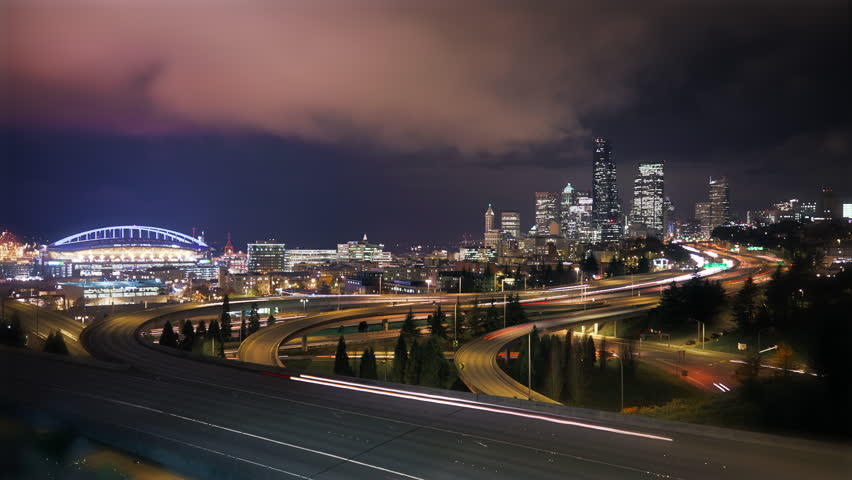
(589, 265)
(554, 378)
(362, 326)
(744, 307)
(254, 320)
(188, 334)
(201, 329)
(271, 320)
(604, 354)
(436, 323)
(434, 368)
(341, 360)
(414, 365)
(243, 329)
(474, 320)
(590, 353)
(400, 358)
(214, 337)
(644, 265)
(409, 327)
(368, 368)
(55, 343)
(492, 318)
(784, 359)
(225, 326)
(168, 338)
(515, 314)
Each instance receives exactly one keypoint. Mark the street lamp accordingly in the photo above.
(428, 285)
(305, 304)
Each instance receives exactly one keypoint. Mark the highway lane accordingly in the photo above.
(276, 425)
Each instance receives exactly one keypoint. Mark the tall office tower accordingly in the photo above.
(546, 211)
(567, 223)
(607, 206)
(489, 219)
(510, 223)
(648, 211)
(720, 202)
(268, 256)
(828, 206)
(582, 211)
(704, 217)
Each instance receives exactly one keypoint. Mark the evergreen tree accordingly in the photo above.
(577, 372)
(368, 368)
(475, 321)
(243, 329)
(589, 265)
(55, 343)
(168, 338)
(271, 320)
(744, 306)
(554, 378)
(400, 358)
(341, 360)
(226, 304)
(644, 265)
(363, 326)
(434, 368)
(409, 327)
(254, 320)
(188, 334)
(515, 314)
(591, 354)
(436, 323)
(604, 354)
(492, 318)
(225, 326)
(414, 365)
(201, 329)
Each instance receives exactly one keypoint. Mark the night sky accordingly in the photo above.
(314, 122)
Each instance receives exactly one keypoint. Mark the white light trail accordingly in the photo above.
(422, 397)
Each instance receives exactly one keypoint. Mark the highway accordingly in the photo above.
(476, 361)
(226, 419)
(221, 422)
(40, 322)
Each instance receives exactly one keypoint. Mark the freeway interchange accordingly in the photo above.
(212, 418)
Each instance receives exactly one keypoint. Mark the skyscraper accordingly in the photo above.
(567, 222)
(606, 207)
(510, 223)
(828, 206)
(649, 199)
(720, 202)
(546, 211)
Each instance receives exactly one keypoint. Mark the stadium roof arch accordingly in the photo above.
(128, 236)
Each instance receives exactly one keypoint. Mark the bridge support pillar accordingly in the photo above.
(385, 325)
(304, 343)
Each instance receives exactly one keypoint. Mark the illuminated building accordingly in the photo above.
(720, 202)
(847, 210)
(268, 256)
(117, 293)
(546, 210)
(109, 251)
(606, 206)
(828, 205)
(297, 257)
(567, 221)
(489, 219)
(510, 224)
(362, 251)
(648, 212)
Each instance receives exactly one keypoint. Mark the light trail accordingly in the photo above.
(422, 397)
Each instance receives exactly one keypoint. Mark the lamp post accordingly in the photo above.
(428, 286)
(529, 365)
(305, 304)
(503, 289)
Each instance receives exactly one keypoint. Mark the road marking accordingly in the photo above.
(251, 435)
(470, 405)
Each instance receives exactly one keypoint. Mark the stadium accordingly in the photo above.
(113, 249)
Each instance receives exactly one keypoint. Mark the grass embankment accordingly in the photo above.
(647, 386)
